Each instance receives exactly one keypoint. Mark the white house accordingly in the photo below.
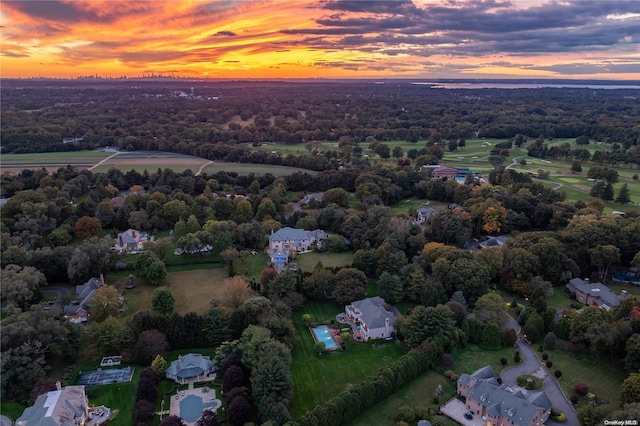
(370, 319)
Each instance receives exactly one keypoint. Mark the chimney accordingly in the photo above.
(120, 240)
(58, 385)
(102, 280)
(586, 281)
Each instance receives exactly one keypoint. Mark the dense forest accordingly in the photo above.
(58, 227)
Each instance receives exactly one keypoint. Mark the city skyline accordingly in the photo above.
(322, 39)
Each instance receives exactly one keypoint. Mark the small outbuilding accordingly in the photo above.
(191, 368)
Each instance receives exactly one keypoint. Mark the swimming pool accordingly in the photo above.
(323, 334)
(191, 408)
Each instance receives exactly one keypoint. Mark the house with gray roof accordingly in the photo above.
(370, 319)
(131, 241)
(77, 311)
(66, 406)
(498, 404)
(287, 240)
(595, 294)
(191, 368)
(425, 214)
(494, 241)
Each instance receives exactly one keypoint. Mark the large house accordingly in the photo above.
(131, 241)
(370, 319)
(497, 404)
(66, 406)
(191, 368)
(425, 214)
(595, 294)
(78, 310)
(287, 240)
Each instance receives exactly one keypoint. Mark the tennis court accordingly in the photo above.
(105, 377)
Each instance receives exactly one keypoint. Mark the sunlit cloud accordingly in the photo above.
(322, 38)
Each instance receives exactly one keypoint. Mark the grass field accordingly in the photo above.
(51, 160)
(603, 379)
(257, 169)
(151, 161)
(11, 409)
(318, 378)
(193, 289)
(308, 261)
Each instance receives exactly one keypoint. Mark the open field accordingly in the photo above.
(151, 161)
(308, 261)
(603, 379)
(51, 160)
(257, 169)
(193, 289)
(318, 378)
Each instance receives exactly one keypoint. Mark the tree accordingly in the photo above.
(159, 364)
(318, 285)
(350, 285)
(216, 327)
(150, 343)
(397, 152)
(143, 412)
(491, 308)
(508, 337)
(425, 322)
(624, 195)
(320, 348)
(630, 390)
(150, 268)
(42, 386)
(87, 227)
(607, 193)
(105, 303)
(391, 288)
(209, 417)
(491, 338)
(632, 359)
(172, 421)
(598, 189)
(337, 196)
(576, 166)
(90, 259)
(236, 292)
(107, 335)
(233, 377)
(20, 284)
(239, 411)
(162, 301)
(603, 256)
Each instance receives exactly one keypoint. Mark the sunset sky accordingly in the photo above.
(322, 38)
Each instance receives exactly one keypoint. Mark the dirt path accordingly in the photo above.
(99, 163)
(202, 167)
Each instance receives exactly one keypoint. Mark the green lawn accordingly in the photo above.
(308, 261)
(251, 266)
(318, 378)
(603, 378)
(417, 394)
(257, 169)
(11, 409)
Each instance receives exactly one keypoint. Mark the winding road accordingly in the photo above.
(531, 366)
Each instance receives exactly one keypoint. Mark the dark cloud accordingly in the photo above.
(226, 33)
(587, 68)
(466, 28)
(74, 12)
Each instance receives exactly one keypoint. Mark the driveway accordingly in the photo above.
(532, 366)
(62, 292)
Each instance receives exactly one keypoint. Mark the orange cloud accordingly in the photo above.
(309, 38)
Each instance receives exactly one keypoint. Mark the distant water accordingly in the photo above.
(490, 85)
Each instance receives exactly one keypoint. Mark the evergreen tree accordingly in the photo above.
(607, 194)
(598, 189)
(623, 196)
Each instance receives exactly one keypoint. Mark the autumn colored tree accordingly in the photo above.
(87, 227)
(105, 303)
(494, 219)
(236, 292)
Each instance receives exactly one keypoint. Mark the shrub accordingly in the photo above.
(447, 360)
(557, 373)
(549, 364)
(574, 399)
(516, 357)
(545, 356)
(455, 377)
(581, 389)
(503, 361)
(406, 413)
(449, 373)
(436, 400)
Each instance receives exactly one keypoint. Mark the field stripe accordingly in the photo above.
(102, 161)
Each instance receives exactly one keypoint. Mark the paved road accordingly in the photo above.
(531, 366)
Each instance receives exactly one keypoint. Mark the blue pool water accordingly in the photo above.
(628, 278)
(460, 179)
(191, 408)
(323, 334)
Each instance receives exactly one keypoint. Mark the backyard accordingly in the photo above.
(308, 261)
(318, 378)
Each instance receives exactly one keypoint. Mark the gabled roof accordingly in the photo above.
(289, 234)
(374, 314)
(500, 402)
(190, 365)
(603, 295)
(61, 407)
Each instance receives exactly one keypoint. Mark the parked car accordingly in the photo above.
(468, 415)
